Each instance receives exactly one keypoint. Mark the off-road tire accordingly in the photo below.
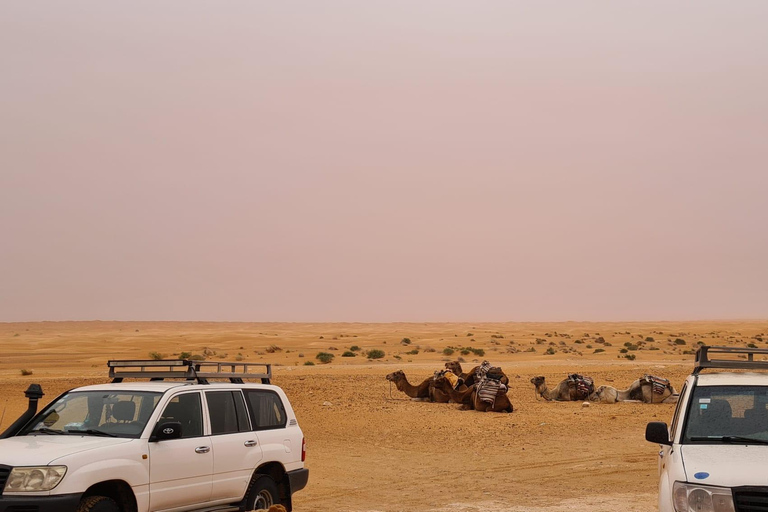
(98, 504)
(262, 493)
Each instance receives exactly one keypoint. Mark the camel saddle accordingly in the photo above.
(486, 371)
(585, 386)
(659, 384)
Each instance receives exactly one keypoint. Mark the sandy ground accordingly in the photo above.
(372, 449)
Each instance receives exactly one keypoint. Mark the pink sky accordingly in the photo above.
(383, 160)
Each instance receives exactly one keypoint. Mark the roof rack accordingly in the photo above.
(703, 359)
(199, 371)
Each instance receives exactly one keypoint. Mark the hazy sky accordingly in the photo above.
(383, 160)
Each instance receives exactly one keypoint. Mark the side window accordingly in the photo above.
(676, 416)
(266, 409)
(187, 409)
(227, 412)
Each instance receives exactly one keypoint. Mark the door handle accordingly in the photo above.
(250, 443)
(202, 449)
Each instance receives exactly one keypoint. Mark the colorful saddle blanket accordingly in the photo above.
(585, 386)
(659, 384)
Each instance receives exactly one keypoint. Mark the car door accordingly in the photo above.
(236, 448)
(269, 419)
(180, 469)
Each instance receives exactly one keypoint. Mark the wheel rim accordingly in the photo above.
(264, 500)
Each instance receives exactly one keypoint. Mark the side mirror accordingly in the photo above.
(657, 432)
(166, 431)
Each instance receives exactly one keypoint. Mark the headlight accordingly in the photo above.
(29, 479)
(702, 498)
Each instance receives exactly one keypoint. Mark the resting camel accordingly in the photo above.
(564, 392)
(420, 392)
(470, 399)
(469, 377)
(639, 391)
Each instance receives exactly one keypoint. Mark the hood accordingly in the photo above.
(42, 450)
(728, 465)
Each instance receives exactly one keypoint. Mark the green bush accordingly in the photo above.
(413, 352)
(185, 355)
(348, 353)
(598, 350)
(679, 341)
(26, 372)
(550, 351)
(324, 357)
(631, 357)
(156, 356)
(375, 354)
(447, 351)
(406, 341)
(354, 348)
(309, 363)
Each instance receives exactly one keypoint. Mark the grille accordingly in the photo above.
(4, 472)
(751, 499)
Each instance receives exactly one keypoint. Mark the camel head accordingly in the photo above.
(605, 394)
(454, 366)
(396, 376)
(537, 381)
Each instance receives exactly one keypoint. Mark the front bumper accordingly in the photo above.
(60, 503)
(298, 479)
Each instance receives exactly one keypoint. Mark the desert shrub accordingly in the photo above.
(631, 357)
(465, 351)
(375, 354)
(429, 349)
(540, 341)
(600, 339)
(598, 350)
(623, 351)
(413, 352)
(301, 354)
(309, 363)
(608, 344)
(447, 351)
(348, 353)
(196, 357)
(550, 351)
(679, 341)
(156, 356)
(751, 345)
(24, 371)
(632, 347)
(239, 357)
(530, 349)
(354, 348)
(185, 355)
(406, 341)
(273, 348)
(649, 339)
(324, 357)
(469, 334)
(477, 351)
(497, 336)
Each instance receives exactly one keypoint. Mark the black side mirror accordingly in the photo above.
(165, 431)
(657, 432)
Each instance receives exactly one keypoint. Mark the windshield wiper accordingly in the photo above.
(731, 439)
(93, 432)
(46, 430)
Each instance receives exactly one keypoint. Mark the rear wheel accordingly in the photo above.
(263, 493)
(98, 504)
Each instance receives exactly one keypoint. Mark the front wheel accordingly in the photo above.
(98, 504)
(263, 493)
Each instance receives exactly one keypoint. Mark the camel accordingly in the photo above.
(640, 390)
(469, 377)
(470, 399)
(420, 392)
(565, 391)
(437, 394)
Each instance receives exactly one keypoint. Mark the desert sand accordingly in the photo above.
(372, 449)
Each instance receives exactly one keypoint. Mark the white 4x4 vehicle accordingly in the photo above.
(162, 445)
(714, 456)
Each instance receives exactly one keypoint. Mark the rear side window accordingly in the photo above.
(266, 409)
(227, 412)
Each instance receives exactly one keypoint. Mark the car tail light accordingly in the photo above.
(303, 449)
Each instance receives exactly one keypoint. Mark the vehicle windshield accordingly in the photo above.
(728, 414)
(96, 413)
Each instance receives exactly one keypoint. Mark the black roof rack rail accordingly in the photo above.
(199, 371)
(704, 359)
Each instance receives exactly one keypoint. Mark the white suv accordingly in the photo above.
(714, 456)
(162, 445)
